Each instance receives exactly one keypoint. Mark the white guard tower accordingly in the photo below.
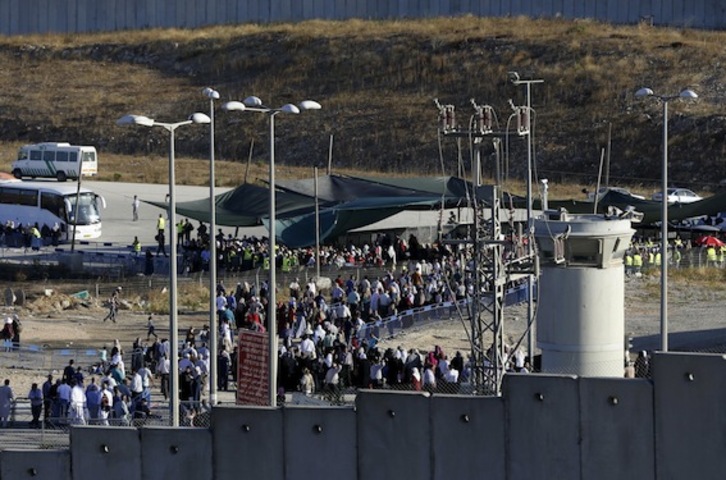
(580, 322)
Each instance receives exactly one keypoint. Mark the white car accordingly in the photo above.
(604, 190)
(678, 195)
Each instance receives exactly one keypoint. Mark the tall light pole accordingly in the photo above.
(173, 321)
(254, 104)
(516, 80)
(212, 95)
(686, 94)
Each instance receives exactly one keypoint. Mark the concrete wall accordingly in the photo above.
(543, 426)
(41, 16)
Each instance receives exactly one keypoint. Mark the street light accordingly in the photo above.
(212, 95)
(254, 104)
(516, 80)
(686, 94)
(173, 323)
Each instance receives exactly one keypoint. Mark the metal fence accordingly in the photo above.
(77, 16)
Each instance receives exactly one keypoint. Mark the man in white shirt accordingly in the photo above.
(78, 404)
(307, 347)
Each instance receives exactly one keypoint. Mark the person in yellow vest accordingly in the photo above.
(711, 258)
(136, 247)
(651, 258)
(266, 263)
(677, 257)
(658, 258)
(180, 232)
(722, 255)
(35, 238)
(628, 263)
(160, 236)
(637, 262)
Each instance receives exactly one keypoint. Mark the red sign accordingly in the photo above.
(253, 359)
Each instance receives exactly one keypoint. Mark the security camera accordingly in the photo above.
(513, 77)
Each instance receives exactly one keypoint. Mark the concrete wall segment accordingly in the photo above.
(171, 453)
(394, 435)
(690, 420)
(249, 437)
(323, 433)
(35, 464)
(543, 426)
(617, 432)
(467, 435)
(108, 453)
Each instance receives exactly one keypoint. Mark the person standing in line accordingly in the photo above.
(135, 208)
(160, 236)
(35, 395)
(7, 399)
(47, 398)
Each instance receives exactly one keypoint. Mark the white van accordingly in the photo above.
(55, 160)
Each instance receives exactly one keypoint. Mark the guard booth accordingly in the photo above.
(580, 318)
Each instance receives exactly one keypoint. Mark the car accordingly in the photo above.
(604, 191)
(678, 195)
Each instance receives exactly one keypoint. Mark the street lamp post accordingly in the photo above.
(686, 94)
(254, 104)
(516, 80)
(212, 95)
(173, 321)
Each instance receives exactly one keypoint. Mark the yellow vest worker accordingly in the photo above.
(266, 263)
(160, 223)
(711, 254)
(637, 260)
(628, 260)
(658, 259)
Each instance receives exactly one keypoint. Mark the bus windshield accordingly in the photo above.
(88, 213)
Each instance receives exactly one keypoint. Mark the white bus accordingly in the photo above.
(45, 203)
(55, 160)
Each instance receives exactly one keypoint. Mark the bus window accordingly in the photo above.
(15, 196)
(61, 156)
(22, 154)
(49, 155)
(74, 157)
(53, 203)
(36, 155)
(89, 157)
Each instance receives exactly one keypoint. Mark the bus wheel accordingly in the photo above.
(61, 176)
(17, 173)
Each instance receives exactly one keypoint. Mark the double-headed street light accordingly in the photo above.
(254, 104)
(685, 94)
(212, 95)
(173, 323)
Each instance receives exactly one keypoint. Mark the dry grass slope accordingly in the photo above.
(376, 81)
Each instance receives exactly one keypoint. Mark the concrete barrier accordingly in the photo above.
(108, 453)
(617, 423)
(543, 426)
(248, 440)
(327, 434)
(467, 435)
(168, 452)
(394, 435)
(36, 464)
(689, 423)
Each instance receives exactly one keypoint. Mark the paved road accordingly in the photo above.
(118, 226)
